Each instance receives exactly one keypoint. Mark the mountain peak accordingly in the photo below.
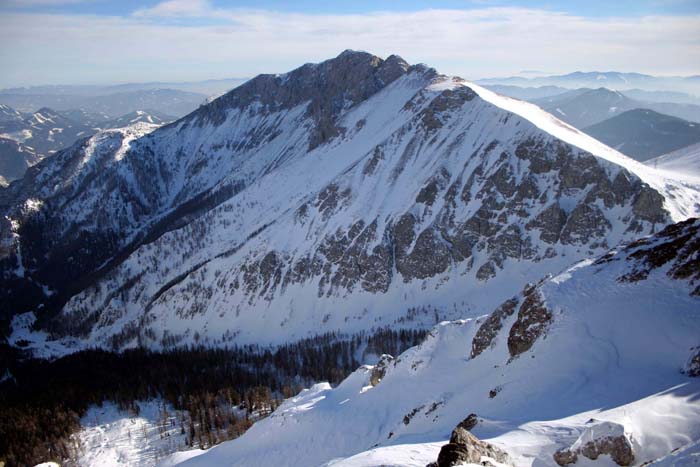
(329, 88)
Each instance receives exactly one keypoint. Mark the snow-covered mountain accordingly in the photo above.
(46, 131)
(139, 116)
(604, 353)
(9, 115)
(345, 195)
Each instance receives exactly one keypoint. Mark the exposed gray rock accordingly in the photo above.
(486, 271)
(692, 366)
(469, 423)
(465, 448)
(329, 88)
(618, 448)
(648, 205)
(585, 223)
(565, 457)
(677, 245)
(429, 192)
(531, 323)
(577, 172)
(599, 438)
(432, 117)
(549, 222)
(330, 198)
(488, 331)
(379, 369)
(429, 256)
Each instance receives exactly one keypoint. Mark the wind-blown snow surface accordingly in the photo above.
(621, 330)
(434, 192)
(683, 163)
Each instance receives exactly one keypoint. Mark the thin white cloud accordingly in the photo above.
(472, 43)
(177, 8)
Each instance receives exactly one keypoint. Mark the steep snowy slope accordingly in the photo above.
(608, 345)
(341, 196)
(683, 163)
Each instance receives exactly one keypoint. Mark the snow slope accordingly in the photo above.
(683, 163)
(111, 437)
(586, 367)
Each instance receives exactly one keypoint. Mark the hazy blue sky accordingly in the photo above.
(100, 41)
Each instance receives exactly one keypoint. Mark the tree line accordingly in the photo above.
(42, 401)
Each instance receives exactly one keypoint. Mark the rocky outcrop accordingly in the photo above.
(692, 366)
(600, 438)
(329, 88)
(469, 423)
(586, 222)
(379, 369)
(489, 329)
(676, 248)
(433, 115)
(549, 222)
(465, 448)
(533, 320)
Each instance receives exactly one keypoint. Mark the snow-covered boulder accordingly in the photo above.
(600, 438)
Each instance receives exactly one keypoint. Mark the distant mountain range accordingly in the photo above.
(166, 101)
(25, 139)
(539, 92)
(206, 87)
(644, 134)
(585, 107)
(611, 79)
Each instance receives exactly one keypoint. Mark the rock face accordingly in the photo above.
(379, 369)
(533, 319)
(469, 423)
(604, 438)
(329, 88)
(677, 248)
(465, 448)
(692, 367)
(353, 178)
(531, 323)
(488, 331)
